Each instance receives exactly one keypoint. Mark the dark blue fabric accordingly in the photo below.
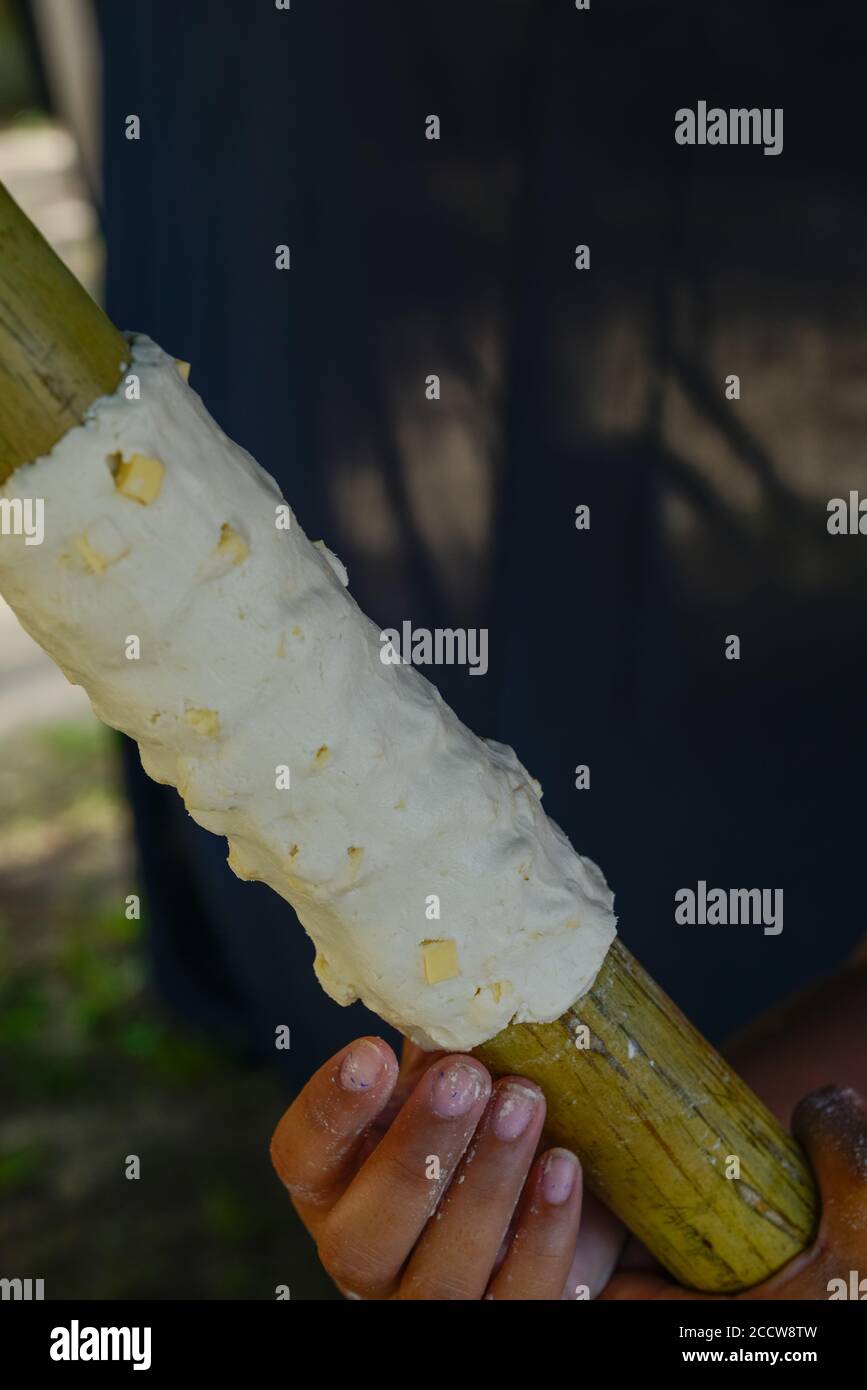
(259, 128)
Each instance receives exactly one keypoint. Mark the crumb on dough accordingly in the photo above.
(232, 545)
(497, 990)
(205, 721)
(101, 546)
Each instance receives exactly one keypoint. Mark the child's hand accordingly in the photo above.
(367, 1155)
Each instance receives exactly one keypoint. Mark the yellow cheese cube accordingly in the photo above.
(140, 478)
(440, 960)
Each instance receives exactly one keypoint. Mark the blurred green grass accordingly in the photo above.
(92, 1069)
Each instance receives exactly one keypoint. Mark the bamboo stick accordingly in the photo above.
(656, 1115)
(653, 1111)
(58, 351)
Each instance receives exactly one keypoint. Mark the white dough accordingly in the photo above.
(253, 656)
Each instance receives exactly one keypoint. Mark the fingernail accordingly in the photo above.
(362, 1066)
(513, 1111)
(558, 1178)
(456, 1090)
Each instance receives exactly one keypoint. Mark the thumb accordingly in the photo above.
(831, 1123)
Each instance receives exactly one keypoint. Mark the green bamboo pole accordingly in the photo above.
(58, 351)
(657, 1117)
(653, 1111)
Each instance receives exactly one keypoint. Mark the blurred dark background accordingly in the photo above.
(559, 387)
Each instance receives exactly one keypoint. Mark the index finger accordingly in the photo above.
(316, 1144)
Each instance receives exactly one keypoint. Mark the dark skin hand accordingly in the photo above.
(424, 1181)
(409, 1184)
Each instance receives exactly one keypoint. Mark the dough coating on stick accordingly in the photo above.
(255, 658)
